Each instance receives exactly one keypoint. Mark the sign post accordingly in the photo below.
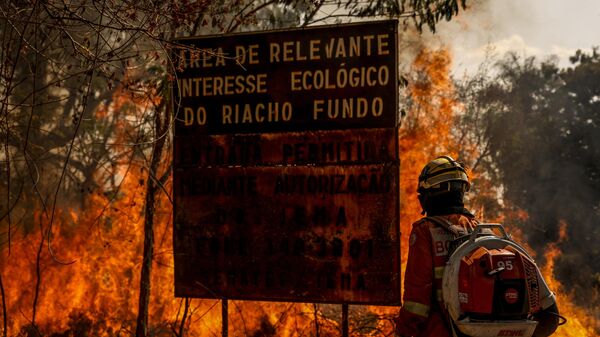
(224, 318)
(345, 328)
(286, 169)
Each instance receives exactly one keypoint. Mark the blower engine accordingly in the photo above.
(491, 286)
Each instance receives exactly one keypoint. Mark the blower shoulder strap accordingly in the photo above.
(457, 231)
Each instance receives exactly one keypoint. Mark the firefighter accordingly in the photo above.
(441, 189)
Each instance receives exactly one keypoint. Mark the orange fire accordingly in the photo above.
(84, 280)
(94, 288)
(425, 133)
(580, 322)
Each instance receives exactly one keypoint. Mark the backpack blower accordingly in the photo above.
(491, 286)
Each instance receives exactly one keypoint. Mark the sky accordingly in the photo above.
(529, 27)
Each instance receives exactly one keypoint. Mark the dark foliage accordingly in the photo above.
(542, 126)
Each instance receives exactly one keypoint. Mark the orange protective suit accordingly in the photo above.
(421, 314)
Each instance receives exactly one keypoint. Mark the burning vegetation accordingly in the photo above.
(71, 267)
(77, 273)
(581, 322)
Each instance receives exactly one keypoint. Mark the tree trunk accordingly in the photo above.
(152, 188)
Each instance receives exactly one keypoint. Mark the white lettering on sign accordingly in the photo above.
(333, 48)
(358, 77)
(256, 113)
(190, 116)
(194, 58)
(222, 85)
(247, 54)
(347, 108)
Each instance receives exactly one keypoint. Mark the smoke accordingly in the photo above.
(542, 151)
(540, 123)
(489, 29)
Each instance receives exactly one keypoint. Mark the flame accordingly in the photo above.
(103, 248)
(96, 291)
(426, 131)
(85, 279)
(580, 321)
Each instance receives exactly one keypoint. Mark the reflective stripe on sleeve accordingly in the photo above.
(438, 272)
(416, 308)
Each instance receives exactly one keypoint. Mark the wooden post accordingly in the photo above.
(345, 320)
(224, 318)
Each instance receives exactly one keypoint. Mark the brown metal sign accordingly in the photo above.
(301, 210)
(318, 78)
